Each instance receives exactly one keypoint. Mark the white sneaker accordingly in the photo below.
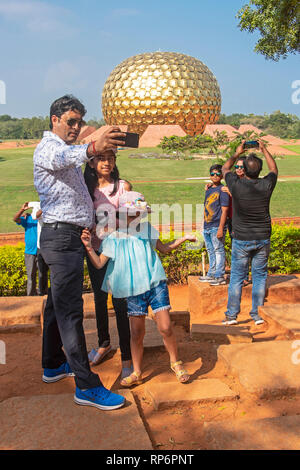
(259, 322)
(227, 321)
(206, 278)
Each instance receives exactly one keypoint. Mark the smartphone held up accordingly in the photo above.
(131, 140)
(250, 144)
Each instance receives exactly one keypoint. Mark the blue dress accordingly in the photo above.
(134, 266)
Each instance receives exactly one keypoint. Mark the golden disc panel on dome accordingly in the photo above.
(161, 88)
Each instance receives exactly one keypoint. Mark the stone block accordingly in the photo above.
(152, 339)
(25, 425)
(220, 334)
(283, 289)
(285, 315)
(205, 301)
(20, 310)
(165, 395)
(181, 318)
(281, 433)
(267, 369)
(21, 328)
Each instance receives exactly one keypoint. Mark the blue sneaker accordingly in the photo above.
(53, 375)
(99, 397)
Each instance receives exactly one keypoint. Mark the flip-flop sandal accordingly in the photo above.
(126, 371)
(95, 357)
(130, 380)
(180, 373)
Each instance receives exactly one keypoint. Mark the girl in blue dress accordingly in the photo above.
(135, 271)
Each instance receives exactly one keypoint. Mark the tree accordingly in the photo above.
(278, 22)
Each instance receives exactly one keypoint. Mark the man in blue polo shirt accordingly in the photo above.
(30, 226)
(216, 204)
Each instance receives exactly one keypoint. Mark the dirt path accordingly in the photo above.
(176, 428)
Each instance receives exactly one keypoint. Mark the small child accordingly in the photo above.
(216, 204)
(135, 271)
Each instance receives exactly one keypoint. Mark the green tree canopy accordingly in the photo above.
(278, 22)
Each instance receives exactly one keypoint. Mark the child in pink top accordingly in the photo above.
(105, 186)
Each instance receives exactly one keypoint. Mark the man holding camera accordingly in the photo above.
(68, 209)
(251, 228)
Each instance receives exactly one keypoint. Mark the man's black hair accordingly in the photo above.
(253, 166)
(64, 104)
(216, 167)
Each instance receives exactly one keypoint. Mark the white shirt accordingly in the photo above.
(59, 181)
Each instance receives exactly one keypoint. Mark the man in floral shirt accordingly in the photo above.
(67, 209)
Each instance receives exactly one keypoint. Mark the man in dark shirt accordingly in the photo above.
(251, 229)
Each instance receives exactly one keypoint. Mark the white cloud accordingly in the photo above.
(66, 76)
(36, 16)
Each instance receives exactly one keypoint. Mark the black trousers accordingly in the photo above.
(42, 273)
(120, 306)
(63, 334)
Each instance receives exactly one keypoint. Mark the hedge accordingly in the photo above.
(179, 264)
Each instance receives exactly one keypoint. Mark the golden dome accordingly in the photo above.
(161, 88)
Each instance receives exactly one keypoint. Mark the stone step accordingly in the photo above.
(152, 339)
(21, 328)
(221, 334)
(267, 369)
(168, 394)
(71, 427)
(285, 315)
(281, 433)
(20, 310)
(205, 301)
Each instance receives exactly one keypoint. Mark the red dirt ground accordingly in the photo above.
(176, 428)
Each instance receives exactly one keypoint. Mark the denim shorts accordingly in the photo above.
(157, 298)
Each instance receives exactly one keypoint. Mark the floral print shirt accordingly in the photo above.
(59, 181)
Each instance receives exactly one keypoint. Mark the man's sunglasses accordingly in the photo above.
(72, 122)
(216, 174)
(240, 167)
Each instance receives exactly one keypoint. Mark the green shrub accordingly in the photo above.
(284, 259)
(284, 256)
(176, 143)
(13, 279)
(285, 250)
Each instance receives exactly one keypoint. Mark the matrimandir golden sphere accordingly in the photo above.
(161, 88)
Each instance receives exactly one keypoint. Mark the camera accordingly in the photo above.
(251, 144)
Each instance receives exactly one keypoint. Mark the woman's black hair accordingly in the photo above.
(91, 180)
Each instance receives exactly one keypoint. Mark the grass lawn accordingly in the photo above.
(293, 148)
(161, 181)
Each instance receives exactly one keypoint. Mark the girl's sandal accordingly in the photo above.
(132, 379)
(181, 373)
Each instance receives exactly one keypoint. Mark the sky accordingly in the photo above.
(49, 48)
